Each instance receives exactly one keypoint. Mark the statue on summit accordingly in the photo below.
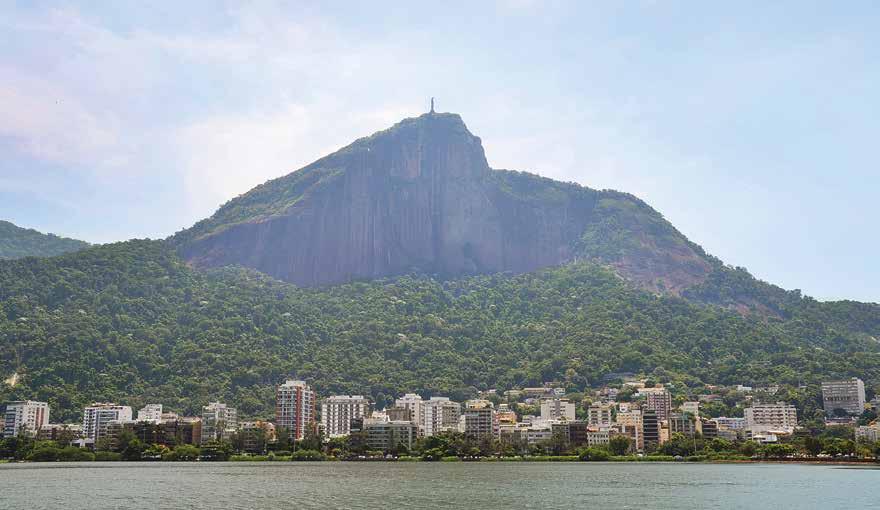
(432, 105)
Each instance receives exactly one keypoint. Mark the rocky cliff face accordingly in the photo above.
(421, 196)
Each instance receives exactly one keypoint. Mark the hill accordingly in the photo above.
(132, 322)
(17, 242)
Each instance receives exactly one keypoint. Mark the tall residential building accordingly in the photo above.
(661, 402)
(479, 420)
(98, 417)
(599, 415)
(439, 414)
(650, 429)
(219, 422)
(24, 416)
(682, 423)
(691, 407)
(151, 413)
(295, 408)
(630, 423)
(557, 409)
(338, 411)
(779, 417)
(412, 403)
(848, 395)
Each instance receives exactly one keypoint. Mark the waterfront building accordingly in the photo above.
(151, 413)
(295, 408)
(412, 403)
(868, 434)
(98, 417)
(439, 415)
(478, 420)
(253, 436)
(660, 402)
(848, 395)
(219, 422)
(61, 433)
(709, 429)
(389, 436)
(24, 417)
(338, 411)
(650, 429)
(779, 417)
(557, 409)
(682, 424)
(600, 415)
(538, 434)
(598, 437)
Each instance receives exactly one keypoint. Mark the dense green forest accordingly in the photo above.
(17, 242)
(130, 322)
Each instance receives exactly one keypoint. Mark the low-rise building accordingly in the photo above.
(868, 433)
(61, 433)
(390, 436)
(779, 418)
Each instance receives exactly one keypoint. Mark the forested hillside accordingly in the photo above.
(131, 322)
(17, 242)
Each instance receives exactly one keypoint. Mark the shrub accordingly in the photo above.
(301, 455)
(107, 456)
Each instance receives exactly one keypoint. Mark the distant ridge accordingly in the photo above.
(17, 242)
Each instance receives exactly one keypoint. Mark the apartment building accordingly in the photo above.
(295, 408)
(98, 417)
(848, 395)
(779, 418)
(219, 422)
(338, 411)
(24, 416)
(439, 414)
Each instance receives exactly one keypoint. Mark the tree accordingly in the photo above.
(594, 454)
(813, 446)
(619, 444)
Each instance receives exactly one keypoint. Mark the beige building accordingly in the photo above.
(780, 418)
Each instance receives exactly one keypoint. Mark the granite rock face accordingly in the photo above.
(420, 196)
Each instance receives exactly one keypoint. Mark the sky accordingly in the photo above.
(752, 126)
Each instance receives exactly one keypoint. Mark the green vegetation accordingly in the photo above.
(17, 242)
(130, 322)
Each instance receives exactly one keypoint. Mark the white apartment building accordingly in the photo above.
(690, 407)
(868, 434)
(98, 417)
(557, 409)
(730, 423)
(26, 416)
(150, 413)
(600, 415)
(439, 415)
(779, 417)
(848, 395)
(412, 403)
(295, 408)
(219, 422)
(338, 411)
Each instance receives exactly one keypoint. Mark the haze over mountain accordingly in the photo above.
(17, 242)
(416, 268)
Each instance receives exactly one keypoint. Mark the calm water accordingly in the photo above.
(460, 485)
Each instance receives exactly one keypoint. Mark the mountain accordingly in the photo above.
(404, 263)
(17, 242)
(420, 196)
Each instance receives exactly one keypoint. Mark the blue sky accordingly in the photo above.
(752, 126)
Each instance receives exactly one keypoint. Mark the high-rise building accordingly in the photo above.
(848, 395)
(338, 411)
(24, 416)
(439, 414)
(779, 418)
(295, 408)
(150, 413)
(599, 415)
(99, 416)
(650, 429)
(219, 422)
(479, 420)
(412, 403)
(557, 409)
(659, 401)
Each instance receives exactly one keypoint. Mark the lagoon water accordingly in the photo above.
(265, 485)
